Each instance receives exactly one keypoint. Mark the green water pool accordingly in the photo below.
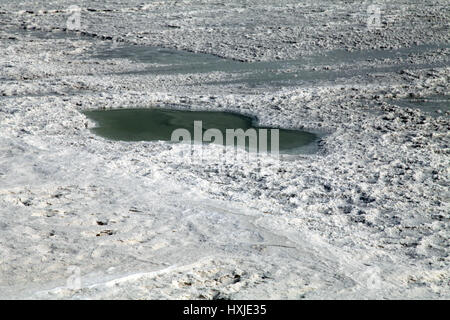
(159, 124)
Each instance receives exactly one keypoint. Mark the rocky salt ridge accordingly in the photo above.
(367, 216)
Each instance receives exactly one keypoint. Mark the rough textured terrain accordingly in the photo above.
(368, 216)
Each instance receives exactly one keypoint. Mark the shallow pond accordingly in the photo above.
(300, 71)
(307, 70)
(160, 124)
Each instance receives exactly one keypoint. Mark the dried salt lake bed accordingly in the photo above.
(365, 215)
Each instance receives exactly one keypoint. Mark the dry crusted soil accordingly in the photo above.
(367, 216)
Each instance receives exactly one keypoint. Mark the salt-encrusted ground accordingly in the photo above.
(365, 217)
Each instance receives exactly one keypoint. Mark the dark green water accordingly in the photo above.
(159, 124)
